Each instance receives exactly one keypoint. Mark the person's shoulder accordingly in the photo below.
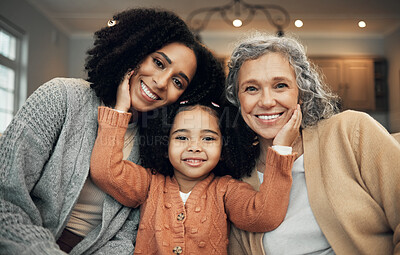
(77, 91)
(64, 86)
(351, 114)
(73, 84)
(346, 118)
(222, 182)
(349, 121)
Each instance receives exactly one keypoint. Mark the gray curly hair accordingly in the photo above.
(318, 102)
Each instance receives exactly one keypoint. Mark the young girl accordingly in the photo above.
(187, 209)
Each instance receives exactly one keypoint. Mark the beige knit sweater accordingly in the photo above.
(352, 168)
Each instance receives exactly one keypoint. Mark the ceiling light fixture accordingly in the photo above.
(298, 23)
(238, 13)
(237, 23)
(362, 24)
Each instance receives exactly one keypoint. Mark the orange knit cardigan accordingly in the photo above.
(201, 226)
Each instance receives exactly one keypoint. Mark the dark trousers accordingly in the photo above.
(68, 240)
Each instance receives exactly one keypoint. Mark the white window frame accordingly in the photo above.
(19, 65)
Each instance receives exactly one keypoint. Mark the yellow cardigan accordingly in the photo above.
(352, 170)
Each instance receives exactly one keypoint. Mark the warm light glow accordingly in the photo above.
(362, 24)
(298, 23)
(237, 23)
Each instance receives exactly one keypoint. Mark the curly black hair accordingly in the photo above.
(154, 142)
(243, 147)
(137, 33)
(238, 138)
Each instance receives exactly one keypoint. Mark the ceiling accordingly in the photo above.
(320, 17)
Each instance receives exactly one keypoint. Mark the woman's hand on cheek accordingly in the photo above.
(291, 130)
(123, 94)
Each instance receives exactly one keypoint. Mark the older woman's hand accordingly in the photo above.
(123, 94)
(290, 131)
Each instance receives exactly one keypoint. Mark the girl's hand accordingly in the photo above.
(123, 94)
(290, 131)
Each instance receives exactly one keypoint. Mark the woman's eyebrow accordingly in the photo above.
(182, 130)
(210, 131)
(165, 56)
(251, 81)
(280, 78)
(184, 76)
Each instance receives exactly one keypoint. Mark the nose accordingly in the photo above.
(161, 80)
(267, 99)
(194, 146)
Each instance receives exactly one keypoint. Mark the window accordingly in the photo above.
(12, 82)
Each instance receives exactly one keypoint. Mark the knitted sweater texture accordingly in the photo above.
(201, 225)
(352, 170)
(44, 162)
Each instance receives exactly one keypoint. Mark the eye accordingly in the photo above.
(209, 138)
(177, 83)
(181, 138)
(158, 63)
(250, 89)
(281, 85)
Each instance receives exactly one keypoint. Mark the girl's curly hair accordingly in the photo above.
(154, 144)
(136, 34)
(242, 149)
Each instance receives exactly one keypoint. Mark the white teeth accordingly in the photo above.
(194, 160)
(147, 92)
(268, 117)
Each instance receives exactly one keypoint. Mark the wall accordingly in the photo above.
(47, 46)
(392, 50)
(76, 63)
(335, 45)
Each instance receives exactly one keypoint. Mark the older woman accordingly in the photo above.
(48, 203)
(345, 197)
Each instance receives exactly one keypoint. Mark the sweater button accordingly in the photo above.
(202, 244)
(180, 217)
(177, 250)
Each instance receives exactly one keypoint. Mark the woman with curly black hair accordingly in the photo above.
(48, 204)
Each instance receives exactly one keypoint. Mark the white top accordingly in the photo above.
(184, 196)
(299, 233)
(87, 213)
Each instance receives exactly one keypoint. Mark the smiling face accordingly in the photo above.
(162, 77)
(195, 144)
(267, 91)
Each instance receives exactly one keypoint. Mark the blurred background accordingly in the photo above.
(356, 43)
